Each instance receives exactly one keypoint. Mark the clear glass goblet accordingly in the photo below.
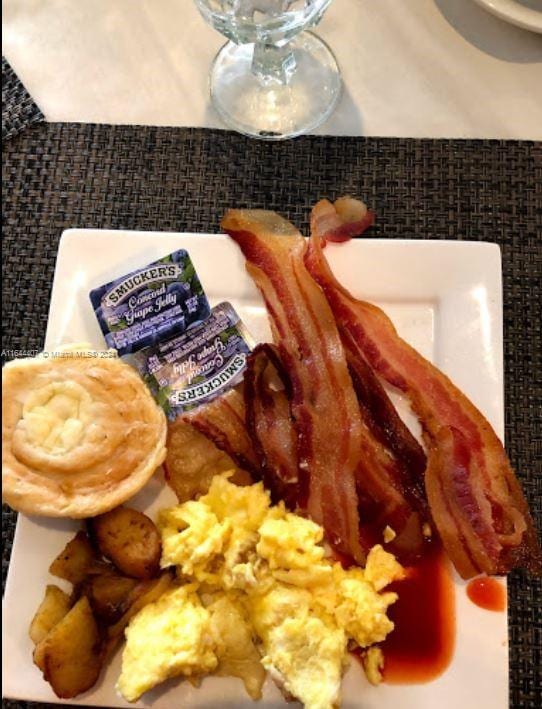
(272, 79)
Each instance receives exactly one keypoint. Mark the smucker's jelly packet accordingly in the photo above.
(150, 304)
(192, 369)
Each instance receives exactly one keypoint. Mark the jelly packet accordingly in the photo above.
(150, 304)
(191, 369)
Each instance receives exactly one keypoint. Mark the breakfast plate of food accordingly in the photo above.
(254, 468)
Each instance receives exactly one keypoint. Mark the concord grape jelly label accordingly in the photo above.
(156, 302)
(191, 369)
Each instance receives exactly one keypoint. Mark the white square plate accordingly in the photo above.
(445, 299)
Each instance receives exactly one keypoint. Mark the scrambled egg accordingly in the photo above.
(259, 593)
(234, 645)
(165, 639)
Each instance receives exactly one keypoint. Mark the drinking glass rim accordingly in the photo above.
(266, 25)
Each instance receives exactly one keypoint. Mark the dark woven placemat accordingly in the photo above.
(19, 109)
(60, 176)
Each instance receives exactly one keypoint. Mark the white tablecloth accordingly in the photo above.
(435, 68)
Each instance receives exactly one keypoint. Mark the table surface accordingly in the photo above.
(412, 68)
(60, 176)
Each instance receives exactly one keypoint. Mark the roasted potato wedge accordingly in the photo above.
(71, 654)
(39, 655)
(108, 595)
(130, 540)
(52, 609)
(76, 560)
(145, 592)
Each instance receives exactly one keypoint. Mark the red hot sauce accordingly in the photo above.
(487, 593)
(421, 646)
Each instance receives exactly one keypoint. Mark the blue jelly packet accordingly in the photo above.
(153, 303)
(191, 369)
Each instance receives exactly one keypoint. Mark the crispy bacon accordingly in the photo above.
(270, 424)
(323, 402)
(385, 500)
(223, 421)
(475, 498)
(386, 495)
(385, 424)
(340, 221)
(398, 461)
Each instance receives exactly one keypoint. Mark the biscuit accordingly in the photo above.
(81, 433)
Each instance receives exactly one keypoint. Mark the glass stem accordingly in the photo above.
(272, 64)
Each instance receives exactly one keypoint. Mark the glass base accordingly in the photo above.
(266, 108)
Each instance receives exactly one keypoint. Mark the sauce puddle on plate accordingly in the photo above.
(487, 593)
(422, 644)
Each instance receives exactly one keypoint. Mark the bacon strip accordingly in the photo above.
(392, 469)
(475, 498)
(323, 402)
(383, 420)
(270, 424)
(223, 421)
(340, 221)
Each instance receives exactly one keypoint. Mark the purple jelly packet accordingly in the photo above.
(153, 303)
(195, 367)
